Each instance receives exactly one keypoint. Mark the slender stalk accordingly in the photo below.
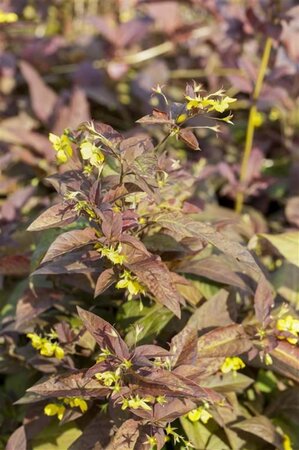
(250, 125)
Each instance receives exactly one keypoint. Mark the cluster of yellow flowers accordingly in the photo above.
(110, 379)
(113, 254)
(217, 101)
(232, 364)
(135, 402)
(58, 409)
(130, 282)
(45, 346)
(83, 205)
(201, 413)
(146, 403)
(89, 152)
(92, 154)
(291, 325)
(62, 146)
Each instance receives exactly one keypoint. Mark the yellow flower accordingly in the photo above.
(130, 282)
(36, 340)
(108, 378)
(82, 205)
(291, 325)
(213, 102)
(161, 399)
(274, 114)
(54, 409)
(8, 17)
(151, 441)
(112, 254)
(105, 352)
(76, 402)
(47, 349)
(199, 413)
(221, 105)
(63, 147)
(287, 444)
(45, 346)
(136, 403)
(268, 359)
(235, 363)
(59, 352)
(258, 119)
(91, 153)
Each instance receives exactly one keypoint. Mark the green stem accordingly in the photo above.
(251, 125)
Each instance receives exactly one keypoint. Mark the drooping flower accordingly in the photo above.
(45, 346)
(63, 147)
(58, 409)
(232, 364)
(201, 413)
(290, 325)
(54, 409)
(113, 254)
(92, 154)
(76, 402)
(130, 282)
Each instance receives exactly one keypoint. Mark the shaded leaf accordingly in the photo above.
(228, 382)
(286, 360)
(188, 137)
(74, 262)
(17, 440)
(262, 427)
(183, 346)
(213, 313)
(190, 226)
(287, 245)
(105, 280)
(217, 268)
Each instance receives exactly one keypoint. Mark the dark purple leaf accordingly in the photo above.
(43, 99)
(69, 241)
(56, 216)
(104, 333)
(105, 280)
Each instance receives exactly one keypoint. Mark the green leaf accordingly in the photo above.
(228, 382)
(56, 437)
(151, 324)
(203, 436)
(286, 282)
(287, 245)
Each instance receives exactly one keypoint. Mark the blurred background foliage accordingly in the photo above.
(64, 62)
